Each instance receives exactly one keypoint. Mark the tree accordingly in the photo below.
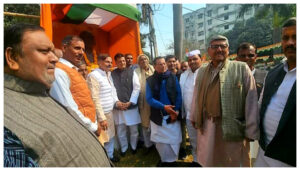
(258, 32)
(186, 45)
(146, 19)
(278, 12)
(31, 9)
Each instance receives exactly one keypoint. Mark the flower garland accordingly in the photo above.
(87, 60)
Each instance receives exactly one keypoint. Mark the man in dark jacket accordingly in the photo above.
(278, 107)
(163, 94)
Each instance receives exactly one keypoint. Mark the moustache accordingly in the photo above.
(291, 47)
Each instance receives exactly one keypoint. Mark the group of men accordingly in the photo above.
(56, 117)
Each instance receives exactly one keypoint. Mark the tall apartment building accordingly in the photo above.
(212, 19)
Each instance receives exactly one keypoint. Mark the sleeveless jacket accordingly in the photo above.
(283, 146)
(123, 83)
(259, 76)
(106, 93)
(233, 94)
(80, 92)
(156, 114)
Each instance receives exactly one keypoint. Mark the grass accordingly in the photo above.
(140, 159)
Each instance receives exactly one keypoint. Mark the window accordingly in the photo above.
(187, 20)
(200, 16)
(209, 13)
(186, 34)
(249, 12)
(226, 7)
(226, 27)
(209, 22)
(226, 17)
(193, 34)
(200, 25)
(201, 42)
(200, 33)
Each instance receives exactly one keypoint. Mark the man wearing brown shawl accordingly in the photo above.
(224, 109)
(144, 71)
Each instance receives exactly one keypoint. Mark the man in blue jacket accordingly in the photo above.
(163, 94)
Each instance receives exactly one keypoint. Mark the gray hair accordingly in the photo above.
(139, 57)
(218, 37)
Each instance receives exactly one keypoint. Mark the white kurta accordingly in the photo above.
(167, 138)
(130, 116)
(104, 96)
(187, 84)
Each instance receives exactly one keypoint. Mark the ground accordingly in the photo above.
(140, 159)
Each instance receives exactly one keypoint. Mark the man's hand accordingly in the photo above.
(127, 105)
(173, 114)
(98, 130)
(169, 109)
(121, 105)
(103, 125)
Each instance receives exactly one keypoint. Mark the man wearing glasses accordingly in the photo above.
(246, 52)
(224, 109)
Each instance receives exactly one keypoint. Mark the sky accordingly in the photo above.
(163, 24)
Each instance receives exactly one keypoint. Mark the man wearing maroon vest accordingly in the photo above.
(70, 88)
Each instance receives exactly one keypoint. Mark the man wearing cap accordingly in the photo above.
(187, 83)
(224, 109)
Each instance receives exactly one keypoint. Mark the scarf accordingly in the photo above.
(158, 78)
(206, 80)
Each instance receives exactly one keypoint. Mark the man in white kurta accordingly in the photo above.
(187, 83)
(105, 98)
(127, 86)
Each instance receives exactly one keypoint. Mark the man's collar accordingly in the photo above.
(68, 63)
(17, 84)
(253, 71)
(102, 72)
(286, 67)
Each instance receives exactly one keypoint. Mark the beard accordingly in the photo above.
(49, 79)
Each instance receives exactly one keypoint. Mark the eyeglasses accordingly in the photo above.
(217, 46)
(244, 56)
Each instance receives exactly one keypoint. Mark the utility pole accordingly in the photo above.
(151, 52)
(205, 31)
(152, 31)
(178, 30)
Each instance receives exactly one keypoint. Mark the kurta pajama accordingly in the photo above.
(212, 149)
